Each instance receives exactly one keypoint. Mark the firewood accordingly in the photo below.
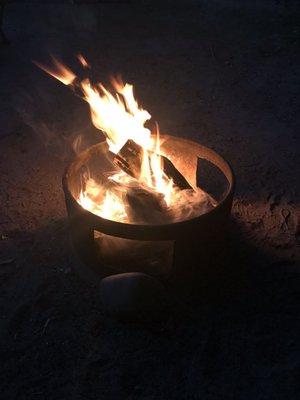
(130, 158)
(142, 204)
(145, 206)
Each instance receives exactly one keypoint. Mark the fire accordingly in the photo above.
(121, 118)
(83, 61)
(118, 115)
(107, 205)
(59, 71)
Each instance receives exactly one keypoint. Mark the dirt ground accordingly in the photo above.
(222, 73)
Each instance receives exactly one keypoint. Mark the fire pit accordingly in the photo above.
(183, 240)
(135, 201)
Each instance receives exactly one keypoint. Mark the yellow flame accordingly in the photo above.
(83, 61)
(106, 205)
(59, 71)
(119, 116)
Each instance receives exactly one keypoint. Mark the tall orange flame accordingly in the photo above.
(118, 115)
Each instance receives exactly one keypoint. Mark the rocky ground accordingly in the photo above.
(222, 73)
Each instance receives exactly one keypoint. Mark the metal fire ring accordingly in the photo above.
(201, 228)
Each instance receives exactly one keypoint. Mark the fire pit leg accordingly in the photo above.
(81, 233)
(88, 263)
(82, 239)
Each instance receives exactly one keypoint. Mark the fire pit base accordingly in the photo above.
(167, 247)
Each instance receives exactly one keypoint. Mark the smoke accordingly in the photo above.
(58, 123)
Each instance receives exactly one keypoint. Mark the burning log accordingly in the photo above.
(145, 206)
(130, 159)
(142, 204)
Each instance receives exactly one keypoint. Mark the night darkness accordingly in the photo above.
(224, 74)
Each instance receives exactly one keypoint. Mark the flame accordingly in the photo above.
(105, 204)
(83, 61)
(119, 116)
(60, 71)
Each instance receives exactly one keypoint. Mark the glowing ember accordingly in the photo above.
(118, 115)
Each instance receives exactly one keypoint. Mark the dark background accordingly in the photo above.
(224, 73)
